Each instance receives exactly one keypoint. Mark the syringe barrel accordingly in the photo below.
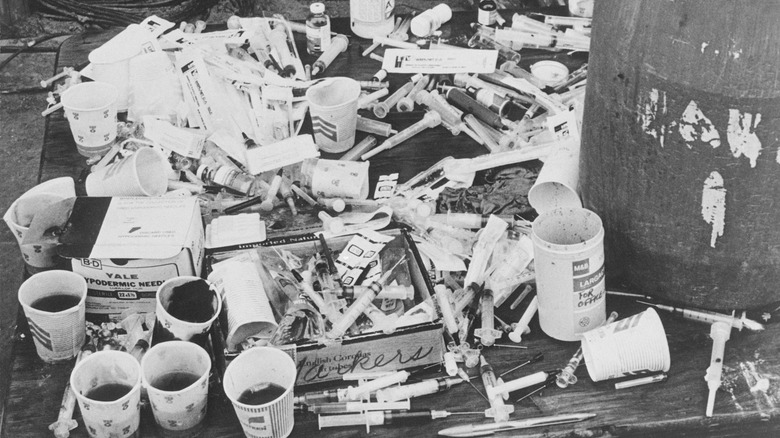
(515, 385)
(278, 39)
(341, 326)
(372, 418)
(382, 108)
(338, 44)
(373, 126)
(373, 385)
(393, 292)
(481, 132)
(447, 311)
(359, 149)
(463, 101)
(486, 308)
(364, 101)
(408, 391)
(444, 109)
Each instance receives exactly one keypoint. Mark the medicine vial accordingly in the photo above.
(371, 18)
(317, 29)
(487, 12)
(226, 177)
(429, 21)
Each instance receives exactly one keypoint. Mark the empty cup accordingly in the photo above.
(144, 173)
(634, 345)
(107, 385)
(186, 308)
(20, 214)
(333, 104)
(91, 111)
(54, 305)
(176, 377)
(259, 383)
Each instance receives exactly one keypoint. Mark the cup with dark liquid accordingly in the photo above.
(107, 385)
(176, 377)
(259, 383)
(186, 308)
(54, 305)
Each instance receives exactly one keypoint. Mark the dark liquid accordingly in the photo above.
(56, 303)
(261, 393)
(109, 392)
(175, 381)
(192, 302)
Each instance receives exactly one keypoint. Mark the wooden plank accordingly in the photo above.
(12, 11)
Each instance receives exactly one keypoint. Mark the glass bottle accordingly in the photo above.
(226, 177)
(317, 29)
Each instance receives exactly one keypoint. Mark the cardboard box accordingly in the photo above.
(126, 247)
(408, 347)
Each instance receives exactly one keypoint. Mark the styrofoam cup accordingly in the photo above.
(144, 173)
(111, 63)
(169, 328)
(116, 418)
(91, 111)
(21, 212)
(569, 264)
(333, 104)
(262, 365)
(181, 410)
(634, 345)
(57, 335)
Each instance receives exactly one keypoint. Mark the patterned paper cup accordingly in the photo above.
(333, 104)
(91, 111)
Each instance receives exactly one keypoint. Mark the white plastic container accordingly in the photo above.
(371, 18)
(430, 20)
(569, 264)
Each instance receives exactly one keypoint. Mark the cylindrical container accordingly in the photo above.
(259, 383)
(371, 18)
(429, 21)
(176, 377)
(144, 173)
(335, 178)
(333, 105)
(317, 29)
(184, 312)
(226, 177)
(569, 264)
(91, 108)
(679, 149)
(107, 385)
(627, 347)
(54, 305)
(111, 63)
(487, 12)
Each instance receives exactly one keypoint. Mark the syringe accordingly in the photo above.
(330, 313)
(431, 119)
(465, 102)
(276, 183)
(65, 422)
(566, 377)
(286, 191)
(465, 220)
(484, 41)
(720, 332)
(310, 398)
(375, 418)
(360, 391)
(336, 204)
(278, 40)
(498, 410)
(517, 334)
(341, 326)
(430, 386)
(519, 72)
(351, 406)
(338, 44)
(406, 103)
(481, 131)
(368, 99)
(447, 311)
(359, 149)
(374, 127)
(392, 292)
(487, 334)
(504, 388)
(709, 317)
(382, 108)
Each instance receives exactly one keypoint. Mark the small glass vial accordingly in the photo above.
(226, 177)
(317, 29)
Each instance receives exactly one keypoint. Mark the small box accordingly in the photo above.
(126, 247)
(408, 347)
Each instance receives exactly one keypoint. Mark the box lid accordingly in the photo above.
(128, 227)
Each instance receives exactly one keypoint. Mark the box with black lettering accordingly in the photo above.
(126, 247)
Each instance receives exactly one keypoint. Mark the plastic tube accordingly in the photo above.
(393, 292)
(517, 334)
(498, 410)
(382, 108)
(338, 44)
(357, 392)
(278, 40)
(359, 149)
(365, 101)
(374, 127)
(487, 334)
(430, 120)
(425, 387)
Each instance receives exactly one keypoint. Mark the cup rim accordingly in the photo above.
(202, 352)
(51, 273)
(186, 279)
(91, 357)
(329, 81)
(72, 90)
(261, 350)
(549, 245)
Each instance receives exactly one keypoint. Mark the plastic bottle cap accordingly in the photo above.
(317, 8)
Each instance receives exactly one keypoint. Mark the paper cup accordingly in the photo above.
(108, 373)
(569, 264)
(21, 212)
(333, 105)
(556, 186)
(54, 305)
(91, 111)
(144, 173)
(336, 179)
(169, 327)
(176, 377)
(635, 345)
(110, 63)
(254, 367)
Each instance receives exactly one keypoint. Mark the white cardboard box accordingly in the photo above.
(126, 247)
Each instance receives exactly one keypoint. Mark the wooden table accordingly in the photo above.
(674, 407)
